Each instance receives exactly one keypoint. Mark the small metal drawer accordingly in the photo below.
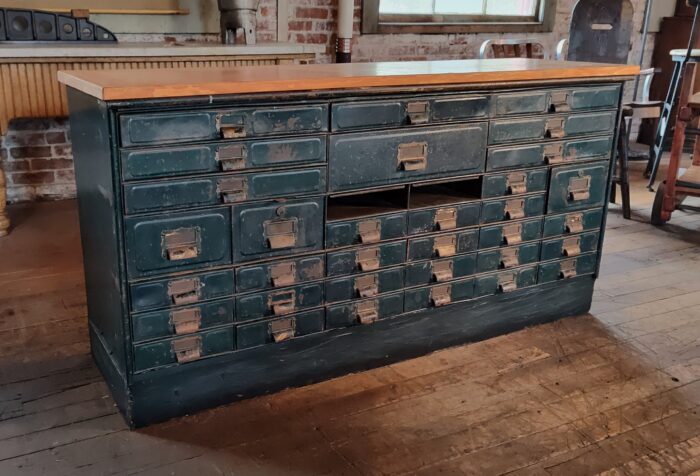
(571, 223)
(365, 231)
(439, 295)
(570, 246)
(578, 187)
(445, 218)
(279, 302)
(513, 208)
(366, 258)
(181, 320)
(181, 290)
(280, 273)
(524, 102)
(440, 271)
(507, 258)
(568, 268)
(364, 312)
(510, 234)
(180, 350)
(515, 183)
(280, 330)
(363, 286)
(578, 99)
(194, 126)
(504, 131)
(506, 281)
(443, 246)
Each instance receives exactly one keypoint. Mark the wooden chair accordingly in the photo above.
(512, 49)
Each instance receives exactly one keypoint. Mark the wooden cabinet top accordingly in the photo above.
(115, 85)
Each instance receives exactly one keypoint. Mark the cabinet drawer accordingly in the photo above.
(439, 295)
(559, 100)
(206, 158)
(191, 126)
(443, 246)
(365, 230)
(512, 209)
(364, 312)
(181, 321)
(510, 234)
(400, 112)
(181, 290)
(504, 131)
(439, 271)
(570, 246)
(577, 187)
(279, 302)
(181, 350)
(506, 258)
(525, 102)
(506, 281)
(568, 268)
(573, 223)
(177, 242)
(280, 330)
(367, 258)
(364, 286)
(280, 273)
(172, 194)
(444, 218)
(516, 157)
(277, 228)
(363, 160)
(515, 183)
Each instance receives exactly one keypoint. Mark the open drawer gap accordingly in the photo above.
(367, 204)
(445, 193)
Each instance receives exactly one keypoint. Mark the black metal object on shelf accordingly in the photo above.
(39, 26)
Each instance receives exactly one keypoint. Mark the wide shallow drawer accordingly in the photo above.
(181, 350)
(559, 100)
(506, 281)
(568, 268)
(509, 234)
(444, 218)
(363, 286)
(280, 330)
(400, 112)
(181, 290)
(512, 208)
(577, 187)
(570, 246)
(506, 258)
(573, 223)
(173, 194)
(371, 159)
(439, 295)
(208, 158)
(504, 131)
(177, 242)
(276, 274)
(182, 320)
(191, 126)
(279, 302)
(364, 312)
(515, 183)
(443, 246)
(264, 230)
(440, 271)
(523, 102)
(365, 230)
(366, 258)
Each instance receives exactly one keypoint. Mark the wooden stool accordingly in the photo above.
(621, 175)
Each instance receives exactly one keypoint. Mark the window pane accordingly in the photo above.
(402, 6)
(511, 7)
(461, 7)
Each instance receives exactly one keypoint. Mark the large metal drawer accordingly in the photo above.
(439, 295)
(280, 330)
(366, 258)
(279, 302)
(577, 187)
(364, 312)
(280, 273)
(364, 286)
(504, 131)
(440, 271)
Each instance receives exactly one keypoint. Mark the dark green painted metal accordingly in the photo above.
(146, 241)
(531, 102)
(347, 288)
(346, 315)
(595, 97)
(516, 157)
(491, 284)
(561, 200)
(192, 126)
(499, 186)
(537, 102)
(421, 274)
(341, 263)
(504, 131)
(207, 158)
(252, 228)
(259, 333)
(493, 236)
(493, 260)
(593, 123)
(596, 148)
(263, 304)
(259, 277)
(371, 159)
(554, 249)
(550, 272)
(423, 248)
(158, 294)
(495, 210)
(347, 233)
(557, 225)
(459, 108)
(423, 221)
(418, 299)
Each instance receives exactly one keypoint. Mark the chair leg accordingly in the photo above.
(622, 170)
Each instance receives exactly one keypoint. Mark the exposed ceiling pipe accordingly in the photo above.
(346, 14)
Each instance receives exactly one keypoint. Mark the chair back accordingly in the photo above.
(511, 49)
(601, 31)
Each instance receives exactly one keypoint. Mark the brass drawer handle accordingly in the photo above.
(282, 303)
(186, 321)
(367, 286)
(281, 234)
(368, 259)
(367, 312)
(446, 219)
(513, 234)
(516, 183)
(508, 283)
(369, 231)
(510, 258)
(283, 274)
(230, 127)
(442, 271)
(574, 223)
(559, 101)
(571, 246)
(187, 349)
(233, 189)
(445, 246)
(579, 188)
(515, 209)
(413, 156)
(181, 244)
(567, 269)
(232, 157)
(282, 329)
(185, 291)
(441, 295)
(418, 112)
(555, 128)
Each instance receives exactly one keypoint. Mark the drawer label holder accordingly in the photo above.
(516, 183)
(508, 283)
(367, 312)
(554, 154)
(571, 246)
(446, 219)
(445, 246)
(441, 295)
(579, 188)
(555, 128)
(567, 269)
(367, 286)
(370, 231)
(282, 303)
(283, 274)
(186, 321)
(559, 101)
(187, 349)
(418, 112)
(181, 244)
(283, 329)
(413, 156)
(185, 291)
(515, 209)
(234, 189)
(281, 234)
(510, 258)
(513, 234)
(232, 157)
(442, 271)
(368, 259)
(574, 223)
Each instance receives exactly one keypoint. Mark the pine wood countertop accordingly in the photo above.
(111, 85)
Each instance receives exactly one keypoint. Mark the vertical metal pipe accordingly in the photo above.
(645, 33)
(346, 14)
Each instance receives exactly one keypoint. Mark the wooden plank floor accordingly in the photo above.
(615, 392)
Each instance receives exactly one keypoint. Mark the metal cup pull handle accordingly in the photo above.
(367, 286)
(187, 349)
(181, 244)
(233, 189)
(555, 128)
(282, 303)
(413, 156)
(446, 219)
(369, 231)
(442, 271)
(515, 209)
(559, 101)
(510, 258)
(232, 157)
(230, 126)
(186, 321)
(367, 312)
(368, 259)
(282, 329)
(567, 269)
(441, 295)
(281, 234)
(418, 112)
(579, 188)
(574, 223)
(571, 246)
(554, 154)
(516, 183)
(185, 291)
(508, 283)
